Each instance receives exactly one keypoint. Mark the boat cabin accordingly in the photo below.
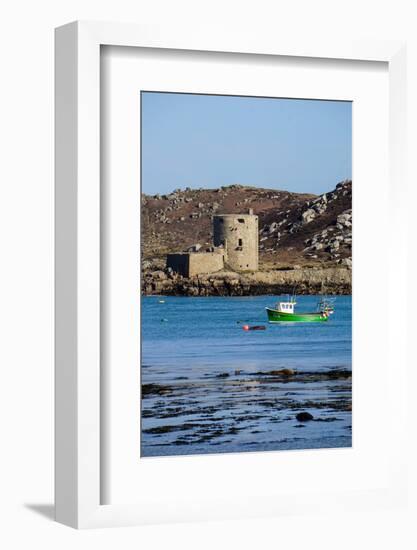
(286, 307)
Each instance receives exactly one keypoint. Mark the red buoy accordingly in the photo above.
(254, 327)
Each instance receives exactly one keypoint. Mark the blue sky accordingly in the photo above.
(209, 141)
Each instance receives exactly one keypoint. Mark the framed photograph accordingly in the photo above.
(224, 336)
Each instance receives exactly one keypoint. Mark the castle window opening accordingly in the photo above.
(241, 220)
(240, 242)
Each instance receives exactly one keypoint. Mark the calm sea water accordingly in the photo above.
(206, 382)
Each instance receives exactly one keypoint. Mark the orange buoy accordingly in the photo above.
(245, 327)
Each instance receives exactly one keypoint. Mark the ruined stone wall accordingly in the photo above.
(193, 263)
(238, 233)
(205, 262)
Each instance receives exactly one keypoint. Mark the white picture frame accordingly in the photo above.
(78, 298)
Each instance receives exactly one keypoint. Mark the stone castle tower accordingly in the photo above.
(238, 233)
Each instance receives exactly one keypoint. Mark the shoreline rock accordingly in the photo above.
(335, 280)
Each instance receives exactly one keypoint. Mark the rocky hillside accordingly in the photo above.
(320, 231)
(295, 230)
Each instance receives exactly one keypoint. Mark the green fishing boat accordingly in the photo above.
(285, 312)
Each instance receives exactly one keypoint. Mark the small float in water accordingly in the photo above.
(285, 312)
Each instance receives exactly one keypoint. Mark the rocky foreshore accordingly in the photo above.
(335, 280)
(235, 410)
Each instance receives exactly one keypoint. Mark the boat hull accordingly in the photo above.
(275, 316)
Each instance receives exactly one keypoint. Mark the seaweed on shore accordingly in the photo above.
(263, 377)
(231, 410)
(155, 389)
(305, 376)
